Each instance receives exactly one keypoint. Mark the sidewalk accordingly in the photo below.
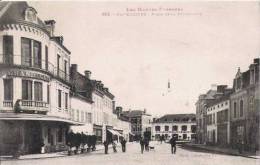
(51, 155)
(227, 151)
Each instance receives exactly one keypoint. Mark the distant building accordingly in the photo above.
(182, 126)
(245, 105)
(140, 122)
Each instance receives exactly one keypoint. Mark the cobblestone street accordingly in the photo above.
(160, 156)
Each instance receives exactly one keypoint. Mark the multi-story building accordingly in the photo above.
(183, 126)
(140, 122)
(215, 92)
(218, 121)
(245, 108)
(34, 82)
(105, 123)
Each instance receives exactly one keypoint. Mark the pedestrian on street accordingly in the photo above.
(142, 144)
(146, 144)
(173, 144)
(106, 146)
(123, 144)
(114, 146)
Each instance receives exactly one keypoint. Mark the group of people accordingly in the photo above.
(123, 145)
(144, 143)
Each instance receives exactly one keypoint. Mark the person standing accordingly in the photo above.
(173, 144)
(142, 145)
(123, 144)
(114, 146)
(106, 146)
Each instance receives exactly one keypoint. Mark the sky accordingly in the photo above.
(192, 45)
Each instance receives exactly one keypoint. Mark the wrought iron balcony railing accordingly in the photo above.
(18, 60)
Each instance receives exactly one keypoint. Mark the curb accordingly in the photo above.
(217, 151)
(48, 157)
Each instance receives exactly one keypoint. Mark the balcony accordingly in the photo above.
(31, 106)
(18, 60)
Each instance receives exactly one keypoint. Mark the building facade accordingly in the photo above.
(183, 126)
(106, 124)
(140, 121)
(245, 108)
(34, 82)
(202, 103)
(218, 122)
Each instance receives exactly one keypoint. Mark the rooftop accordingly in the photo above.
(169, 118)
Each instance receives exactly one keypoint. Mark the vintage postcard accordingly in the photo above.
(129, 82)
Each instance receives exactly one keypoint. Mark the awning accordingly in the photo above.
(36, 117)
(86, 129)
(114, 132)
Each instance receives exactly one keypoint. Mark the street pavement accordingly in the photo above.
(160, 156)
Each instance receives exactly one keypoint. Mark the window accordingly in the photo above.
(213, 120)
(26, 52)
(8, 49)
(166, 128)
(77, 115)
(241, 108)
(86, 117)
(193, 128)
(59, 133)
(58, 65)
(8, 89)
(26, 89)
(46, 58)
(184, 136)
(66, 101)
(48, 93)
(184, 128)
(235, 109)
(175, 128)
(37, 59)
(89, 117)
(157, 128)
(65, 68)
(59, 98)
(38, 91)
(82, 116)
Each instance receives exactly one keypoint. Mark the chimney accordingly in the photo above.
(144, 111)
(87, 74)
(221, 88)
(256, 61)
(50, 25)
(73, 69)
(114, 105)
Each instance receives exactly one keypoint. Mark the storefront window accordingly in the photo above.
(59, 134)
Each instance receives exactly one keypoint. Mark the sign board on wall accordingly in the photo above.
(27, 74)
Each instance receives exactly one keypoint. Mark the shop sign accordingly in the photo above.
(28, 74)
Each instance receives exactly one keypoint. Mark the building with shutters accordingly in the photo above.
(182, 126)
(35, 104)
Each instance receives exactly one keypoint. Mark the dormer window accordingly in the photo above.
(30, 15)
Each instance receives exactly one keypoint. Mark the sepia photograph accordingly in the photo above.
(129, 82)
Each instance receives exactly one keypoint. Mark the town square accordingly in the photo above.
(129, 83)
